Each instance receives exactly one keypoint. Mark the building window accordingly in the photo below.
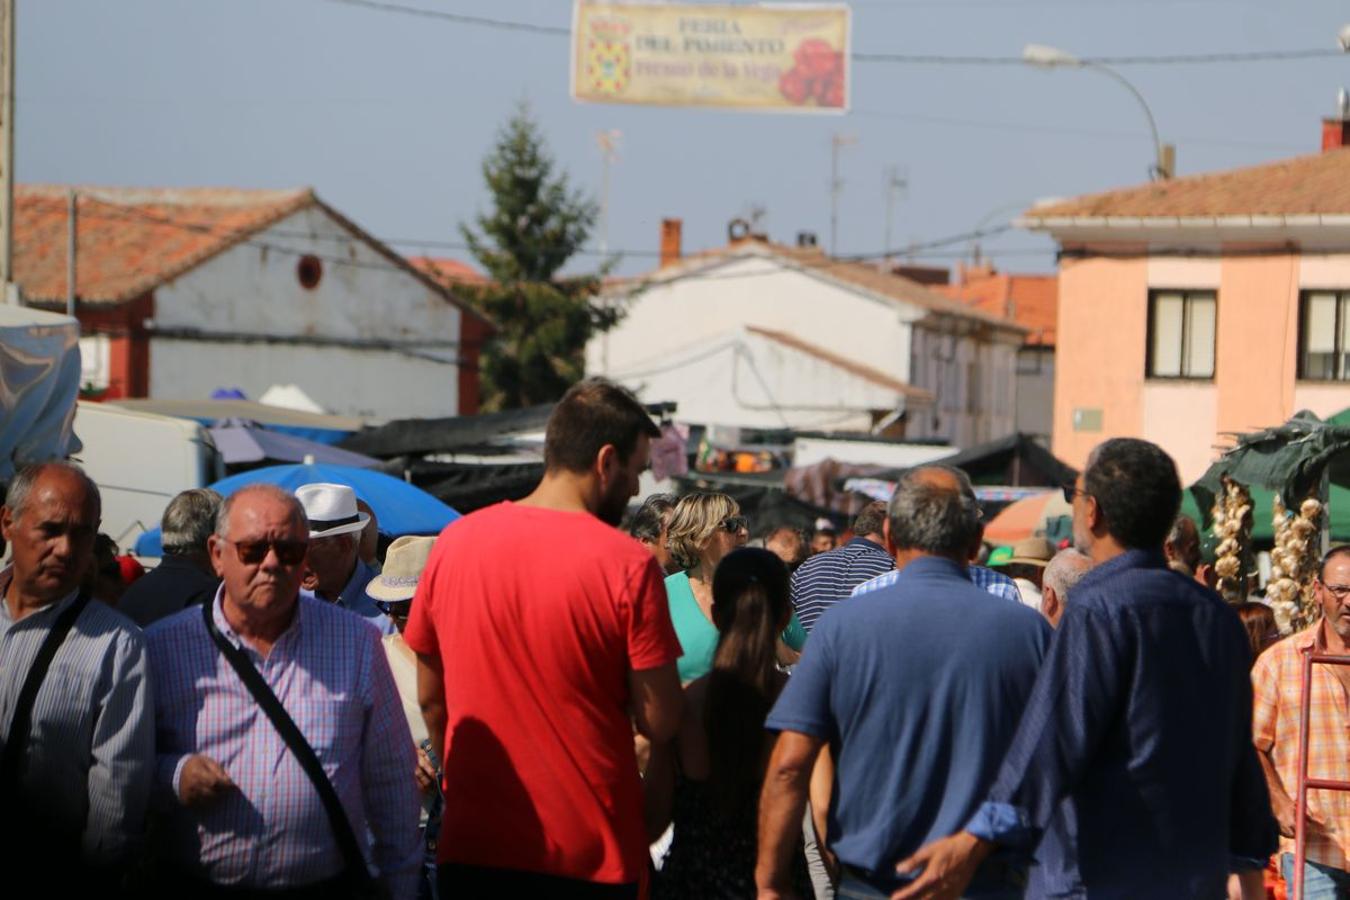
(1029, 361)
(309, 271)
(1324, 336)
(1181, 328)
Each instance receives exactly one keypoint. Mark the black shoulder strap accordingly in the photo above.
(295, 741)
(21, 723)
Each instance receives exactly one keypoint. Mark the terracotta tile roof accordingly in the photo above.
(449, 272)
(1304, 185)
(858, 275)
(130, 240)
(876, 376)
(1032, 301)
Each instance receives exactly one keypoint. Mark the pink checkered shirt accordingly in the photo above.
(330, 673)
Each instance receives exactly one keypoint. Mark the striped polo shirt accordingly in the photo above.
(829, 577)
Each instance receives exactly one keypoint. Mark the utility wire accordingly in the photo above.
(121, 213)
(903, 58)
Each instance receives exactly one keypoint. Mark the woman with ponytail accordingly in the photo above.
(707, 780)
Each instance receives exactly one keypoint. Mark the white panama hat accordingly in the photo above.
(330, 509)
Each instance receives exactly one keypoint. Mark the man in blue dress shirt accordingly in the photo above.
(1141, 717)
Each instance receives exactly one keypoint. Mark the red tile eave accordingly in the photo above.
(1304, 185)
(124, 250)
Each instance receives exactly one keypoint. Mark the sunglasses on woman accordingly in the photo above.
(735, 524)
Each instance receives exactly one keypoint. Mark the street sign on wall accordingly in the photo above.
(772, 58)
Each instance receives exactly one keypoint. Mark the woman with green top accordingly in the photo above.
(704, 528)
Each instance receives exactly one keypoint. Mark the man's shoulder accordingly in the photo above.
(100, 621)
(333, 619)
(1287, 650)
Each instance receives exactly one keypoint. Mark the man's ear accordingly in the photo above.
(215, 545)
(975, 547)
(886, 536)
(6, 523)
(606, 462)
(1096, 522)
(1049, 603)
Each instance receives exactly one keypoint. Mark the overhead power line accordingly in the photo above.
(1173, 59)
(112, 211)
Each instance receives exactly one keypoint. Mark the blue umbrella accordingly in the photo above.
(400, 507)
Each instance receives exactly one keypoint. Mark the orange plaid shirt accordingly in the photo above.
(1277, 678)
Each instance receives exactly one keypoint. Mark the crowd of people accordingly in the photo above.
(539, 702)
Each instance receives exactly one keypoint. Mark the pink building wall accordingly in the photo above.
(1103, 332)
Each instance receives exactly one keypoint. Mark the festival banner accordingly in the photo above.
(774, 58)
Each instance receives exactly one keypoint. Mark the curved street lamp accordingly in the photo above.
(1043, 57)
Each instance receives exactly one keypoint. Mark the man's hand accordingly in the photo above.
(1286, 815)
(944, 867)
(203, 781)
(425, 772)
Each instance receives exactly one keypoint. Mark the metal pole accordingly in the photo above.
(1301, 785)
(1160, 169)
(834, 193)
(7, 148)
(71, 230)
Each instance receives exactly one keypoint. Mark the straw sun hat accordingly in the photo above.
(403, 565)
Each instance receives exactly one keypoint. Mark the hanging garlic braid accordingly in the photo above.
(1233, 528)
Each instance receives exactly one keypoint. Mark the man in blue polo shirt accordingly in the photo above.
(918, 688)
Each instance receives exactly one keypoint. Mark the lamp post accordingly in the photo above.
(1044, 57)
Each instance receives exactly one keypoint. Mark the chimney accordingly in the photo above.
(671, 230)
(1336, 129)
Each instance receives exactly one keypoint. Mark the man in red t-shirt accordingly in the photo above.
(542, 633)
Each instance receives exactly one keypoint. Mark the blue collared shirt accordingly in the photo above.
(355, 598)
(1141, 717)
(987, 580)
(918, 688)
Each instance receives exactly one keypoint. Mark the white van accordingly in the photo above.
(140, 462)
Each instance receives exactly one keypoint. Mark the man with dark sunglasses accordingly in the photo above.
(243, 811)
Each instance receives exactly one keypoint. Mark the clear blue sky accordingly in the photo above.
(388, 116)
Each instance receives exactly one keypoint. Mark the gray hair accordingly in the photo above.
(21, 485)
(188, 521)
(1065, 570)
(267, 490)
(934, 518)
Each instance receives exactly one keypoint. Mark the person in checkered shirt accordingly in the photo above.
(1276, 690)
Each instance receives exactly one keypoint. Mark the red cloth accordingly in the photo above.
(130, 569)
(537, 616)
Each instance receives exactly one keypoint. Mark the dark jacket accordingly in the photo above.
(175, 584)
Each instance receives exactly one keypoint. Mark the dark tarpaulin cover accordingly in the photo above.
(1288, 458)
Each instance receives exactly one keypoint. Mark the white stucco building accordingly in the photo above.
(183, 291)
(761, 335)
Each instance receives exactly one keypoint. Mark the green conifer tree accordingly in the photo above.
(543, 321)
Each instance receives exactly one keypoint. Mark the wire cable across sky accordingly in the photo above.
(936, 59)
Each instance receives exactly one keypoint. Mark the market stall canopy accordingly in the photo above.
(1040, 515)
(39, 381)
(324, 429)
(1017, 460)
(241, 443)
(415, 437)
(400, 508)
(1289, 458)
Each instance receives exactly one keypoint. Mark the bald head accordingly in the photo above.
(1062, 574)
(933, 511)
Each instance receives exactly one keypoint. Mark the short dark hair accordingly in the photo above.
(593, 413)
(1342, 550)
(869, 521)
(934, 518)
(645, 524)
(1136, 486)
